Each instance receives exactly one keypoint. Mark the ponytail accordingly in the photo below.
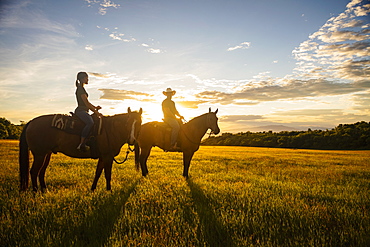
(80, 76)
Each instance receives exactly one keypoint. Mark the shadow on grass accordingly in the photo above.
(97, 227)
(214, 232)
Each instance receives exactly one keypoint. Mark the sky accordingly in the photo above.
(293, 63)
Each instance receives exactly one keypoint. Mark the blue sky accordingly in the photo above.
(301, 64)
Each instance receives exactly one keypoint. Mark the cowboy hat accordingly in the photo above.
(168, 91)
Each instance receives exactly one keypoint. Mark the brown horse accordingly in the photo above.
(43, 140)
(190, 135)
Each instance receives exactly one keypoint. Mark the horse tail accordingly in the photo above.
(24, 163)
(137, 155)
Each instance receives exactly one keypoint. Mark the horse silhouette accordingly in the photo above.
(42, 139)
(189, 138)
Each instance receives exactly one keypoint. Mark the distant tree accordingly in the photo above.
(3, 131)
(9, 130)
(344, 136)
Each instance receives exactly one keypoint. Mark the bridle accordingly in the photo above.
(129, 137)
(208, 127)
(209, 124)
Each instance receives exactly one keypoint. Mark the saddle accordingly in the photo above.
(166, 130)
(73, 125)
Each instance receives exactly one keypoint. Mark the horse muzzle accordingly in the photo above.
(216, 131)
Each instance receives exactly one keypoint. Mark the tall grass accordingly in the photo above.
(236, 196)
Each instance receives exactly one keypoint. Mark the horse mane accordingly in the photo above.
(120, 117)
(194, 119)
(116, 115)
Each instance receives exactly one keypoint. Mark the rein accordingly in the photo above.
(197, 143)
(128, 150)
(127, 153)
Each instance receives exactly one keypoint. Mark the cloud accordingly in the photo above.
(39, 47)
(98, 75)
(300, 119)
(191, 104)
(362, 102)
(333, 61)
(342, 52)
(244, 45)
(154, 51)
(343, 35)
(118, 36)
(353, 23)
(115, 35)
(102, 5)
(240, 118)
(253, 93)
(115, 94)
(355, 70)
(310, 112)
(312, 117)
(340, 43)
(107, 4)
(89, 48)
(24, 16)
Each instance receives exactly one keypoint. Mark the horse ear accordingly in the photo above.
(141, 111)
(216, 111)
(129, 110)
(210, 109)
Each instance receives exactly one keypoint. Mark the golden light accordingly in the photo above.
(151, 105)
(152, 112)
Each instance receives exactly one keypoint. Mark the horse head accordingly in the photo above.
(212, 122)
(133, 125)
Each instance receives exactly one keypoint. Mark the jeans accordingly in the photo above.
(175, 129)
(88, 120)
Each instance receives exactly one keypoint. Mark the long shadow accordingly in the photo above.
(97, 227)
(214, 232)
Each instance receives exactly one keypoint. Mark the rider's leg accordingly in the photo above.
(89, 123)
(175, 131)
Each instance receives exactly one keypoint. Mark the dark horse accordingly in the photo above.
(190, 136)
(43, 140)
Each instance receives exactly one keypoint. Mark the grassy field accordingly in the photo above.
(236, 196)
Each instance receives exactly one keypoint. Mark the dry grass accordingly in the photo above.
(236, 196)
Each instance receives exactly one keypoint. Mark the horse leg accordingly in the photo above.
(187, 156)
(143, 159)
(108, 172)
(38, 162)
(42, 172)
(99, 169)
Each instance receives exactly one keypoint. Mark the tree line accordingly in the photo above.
(9, 130)
(344, 136)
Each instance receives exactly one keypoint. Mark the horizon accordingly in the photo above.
(289, 63)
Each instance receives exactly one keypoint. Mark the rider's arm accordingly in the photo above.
(89, 105)
(176, 113)
(167, 112)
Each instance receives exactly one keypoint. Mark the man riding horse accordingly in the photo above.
(170, 112)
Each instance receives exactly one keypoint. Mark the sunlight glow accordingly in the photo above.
(152, 112)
